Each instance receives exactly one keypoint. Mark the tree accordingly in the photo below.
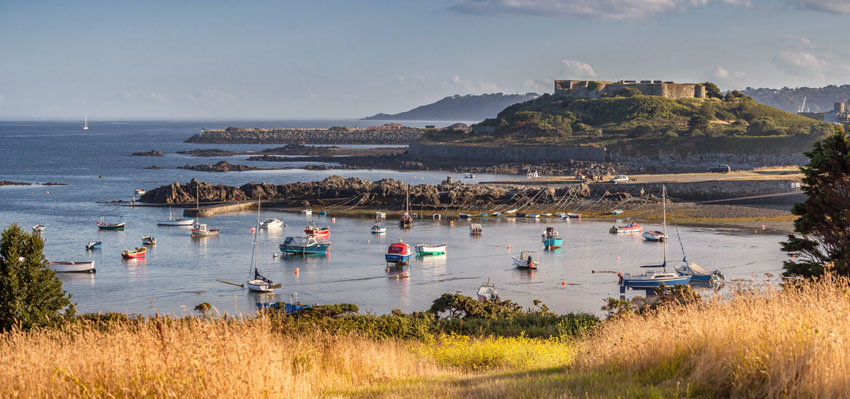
(712, 91)
(30, 293)
(698, 122)
(822, 230)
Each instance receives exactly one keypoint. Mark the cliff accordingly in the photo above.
(459, 108)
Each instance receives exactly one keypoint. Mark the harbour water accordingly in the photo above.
(181, 272)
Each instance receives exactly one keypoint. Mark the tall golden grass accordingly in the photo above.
(763, 343)
(766, 342)
(197, 358)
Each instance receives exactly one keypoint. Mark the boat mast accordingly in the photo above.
(664, 221)
(254, 258)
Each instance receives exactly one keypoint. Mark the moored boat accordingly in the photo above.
(617, 212)
(38, 228)
(134, 253)
(398, 252)
(94, 245)
(307, 212)
(631, 228)
(271, 223)
(698, 273)
(148, 240)
(304, 246)
(201, 230)
(655, 236)
(429, 250)
(69, 266)
(572, 215)
(256, 282)
(172, 221)
(469, 175)
(379, 228)
(551, 239)
(140, 191)
(526, 260)
(406, 221)
(103, 225)
(475, 229)
(318, 232)
(487, 292)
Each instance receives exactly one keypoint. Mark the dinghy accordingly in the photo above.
(69, 266)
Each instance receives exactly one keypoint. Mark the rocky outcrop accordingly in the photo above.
(18, 183)
(154, 167)
(212, 152)
(377, 135)
(381, 193)
(222, 166)
(151, 153)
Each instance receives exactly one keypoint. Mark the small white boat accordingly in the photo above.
(140, 191)
(572, 215)
(69, 266)
(380, 216)
(475, 229)
(469, 175)
(38, 228)
(430, 250)
(509, 211)
(86, 122)
(256, 282)
(93, 245)
(526, 260)
(654, 236)
(148, 240)
(175, 221)
(487, 292)
(271, 223)
(307, 212)
(201, 230)
(379, 228)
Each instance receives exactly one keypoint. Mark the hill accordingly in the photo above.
(818, 99)
(733, 121)
(459, 108)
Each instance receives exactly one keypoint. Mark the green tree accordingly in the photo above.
(30, 293)
(712, 91)
(822, 230)
(698, 122)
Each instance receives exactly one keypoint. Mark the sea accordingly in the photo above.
(180, 272)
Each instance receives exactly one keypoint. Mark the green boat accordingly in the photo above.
(430, 250)
(110, 226)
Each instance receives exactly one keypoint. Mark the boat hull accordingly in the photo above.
(72, 267)
(258, 286)
(553, 243)
(425, 250)
(305, 250)
(119, 226)
(640, 283)
(188, 222)
(397, 258)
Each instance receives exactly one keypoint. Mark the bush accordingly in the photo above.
(30, 293)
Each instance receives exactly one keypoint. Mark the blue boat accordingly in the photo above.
(497, 213)
(94, 245)
(484, 214)
(305, 246)
(323, 213)
(551, 239)
(463, 215)
(288, 308)
(651, 280)
(698, 273)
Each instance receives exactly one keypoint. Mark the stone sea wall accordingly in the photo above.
(701, 191)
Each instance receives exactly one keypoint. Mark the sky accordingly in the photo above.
(327, 59)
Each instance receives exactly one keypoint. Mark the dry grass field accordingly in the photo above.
(762, 342)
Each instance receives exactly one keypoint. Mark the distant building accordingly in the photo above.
(596, 88)
(838, 114)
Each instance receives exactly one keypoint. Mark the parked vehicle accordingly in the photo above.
(620, 179)
(720, 169)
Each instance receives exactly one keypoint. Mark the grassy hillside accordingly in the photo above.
(636, 119)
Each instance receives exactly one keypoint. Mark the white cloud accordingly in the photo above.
(572, 69)
(157, 96)
(829, 6)
(801, 63)
(470, 87)
(725, 78)
(610, 9)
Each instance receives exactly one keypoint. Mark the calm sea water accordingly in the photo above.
(181, 272)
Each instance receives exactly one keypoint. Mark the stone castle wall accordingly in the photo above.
(595, 89)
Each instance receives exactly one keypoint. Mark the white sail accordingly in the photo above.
(86, 122)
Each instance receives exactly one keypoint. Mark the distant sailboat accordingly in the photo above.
(86, 123)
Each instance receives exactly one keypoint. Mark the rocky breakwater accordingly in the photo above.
(151, 153)
(222, 166)
(387, 134)
(339, 192)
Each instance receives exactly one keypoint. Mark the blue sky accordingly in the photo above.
(343, 59)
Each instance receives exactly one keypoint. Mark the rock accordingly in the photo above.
(153, 167)
(151, 153)
(222, 166)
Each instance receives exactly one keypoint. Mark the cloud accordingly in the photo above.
(724, 77)
(157, 96)
(828, 6)
(608, 9)
(470, 87)
(802, 63)
(573, 69)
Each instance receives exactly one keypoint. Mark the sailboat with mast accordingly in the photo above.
(653, 279)
(257, 282)
(406, 221)
(172, 221)
(86, 122)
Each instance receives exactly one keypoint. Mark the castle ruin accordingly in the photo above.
(596, 89)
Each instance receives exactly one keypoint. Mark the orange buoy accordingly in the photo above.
(296, 270)
(47, 192)
(388, 270)
(451, 222)
(563, 283)
(509, 247)
(333, 220)
(252, 230)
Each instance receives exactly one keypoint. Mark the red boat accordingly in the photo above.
(135, 253)
(317, 232)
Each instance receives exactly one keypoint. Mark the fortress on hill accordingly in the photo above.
(595, 88)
